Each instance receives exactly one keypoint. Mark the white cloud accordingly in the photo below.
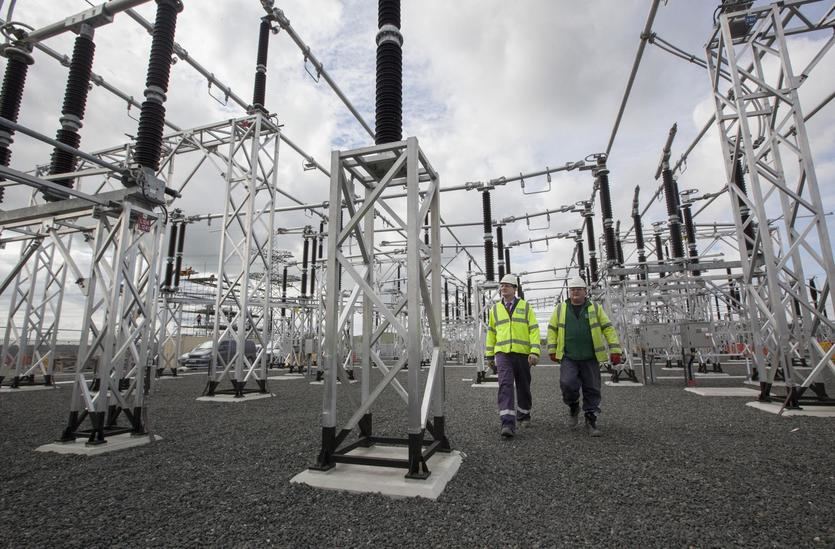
(491, 88)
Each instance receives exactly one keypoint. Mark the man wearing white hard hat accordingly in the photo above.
(576, 334)
(513, 343)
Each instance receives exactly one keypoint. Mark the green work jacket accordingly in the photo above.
(600, 326)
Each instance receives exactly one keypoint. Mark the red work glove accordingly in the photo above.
(614, 358)
(553, 357)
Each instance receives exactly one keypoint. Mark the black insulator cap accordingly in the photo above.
(11, 94)
(152, 115)
(389, 99)
(78, 80)
(149, 135)
(75, 103)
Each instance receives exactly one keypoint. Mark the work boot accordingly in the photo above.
(507, 432)
(574, 415)
(591, 425)
(525, 422)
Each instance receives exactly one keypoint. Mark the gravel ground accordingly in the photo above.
(672, 470)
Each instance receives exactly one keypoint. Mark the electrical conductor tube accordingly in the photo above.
(744, 211)
(507, 260)
(178, 265)
(674, 223)
(581, 257)
(602, 174)
(260, 88)
(305, 253)
(589, 215)
(284, 290)
(659, 251)
(446, 299)
(690, 231)
(169, 259)
(500, 250)
(639, 232)
(489, 273)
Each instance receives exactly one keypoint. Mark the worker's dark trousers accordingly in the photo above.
(510, 368)
(581, 374)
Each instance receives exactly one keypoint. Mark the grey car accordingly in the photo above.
(201, 356)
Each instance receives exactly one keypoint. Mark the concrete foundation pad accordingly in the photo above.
(722, 391)
(466, 379)
(288, 377)
(757, 383)
(113, 444)
(808, 410)
(230, 399)
(387, 481)
(164, 378)
(351, 381)
(623, 383)
(486, 384)
(29, 388)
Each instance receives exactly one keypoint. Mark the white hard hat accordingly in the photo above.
(509, 279)
(577, 283)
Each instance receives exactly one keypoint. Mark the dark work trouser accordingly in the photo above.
(577, 375)
(510, 368)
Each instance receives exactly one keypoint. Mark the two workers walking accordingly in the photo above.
(580, 337)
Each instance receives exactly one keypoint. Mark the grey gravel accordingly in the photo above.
(672, 470)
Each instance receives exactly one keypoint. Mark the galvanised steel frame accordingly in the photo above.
(245, 262)
(486, 294)
(377, 168)
(35, 307)
(117, 325)
(761, 122)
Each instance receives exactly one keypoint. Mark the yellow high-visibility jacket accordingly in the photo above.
(516, 334)
(600, 326)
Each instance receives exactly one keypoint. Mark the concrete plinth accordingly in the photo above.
(113, 444)
(623, 383)
(808, 410)
(286, 377)
(385, 480)
(722, 391)
(230, 399)
(486, 384)
(27, 388)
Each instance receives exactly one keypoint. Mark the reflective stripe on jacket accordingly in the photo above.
(516, 334)
(600, 326)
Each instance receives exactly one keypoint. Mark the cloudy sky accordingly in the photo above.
(491, 88)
